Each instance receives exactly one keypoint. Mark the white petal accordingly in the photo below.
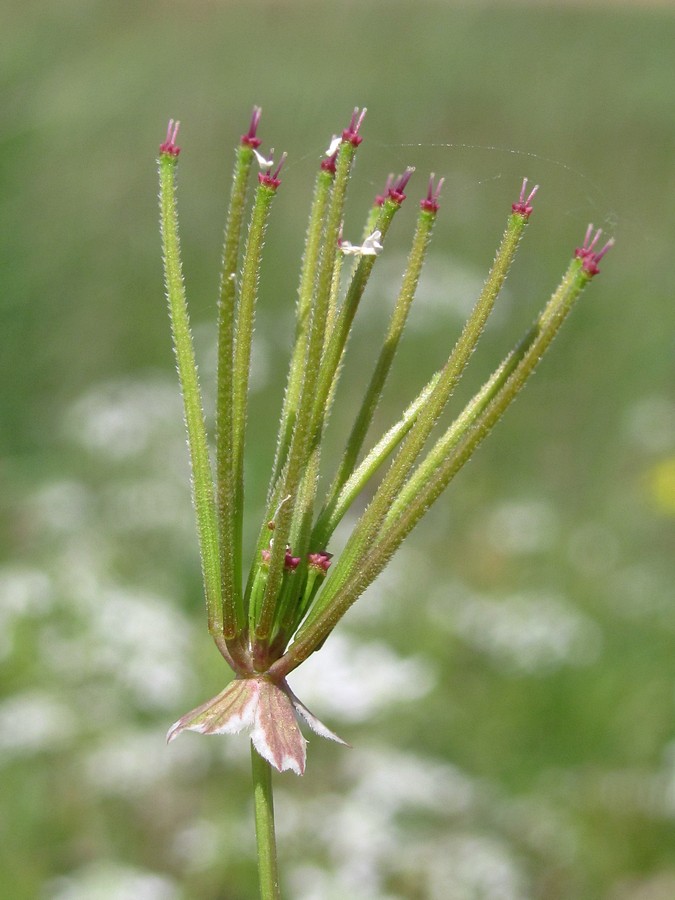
(334, 144)
(349, 249)
(276, 734)
(287, 762)
(229, 713)
(315, 724)
(370, 247)
(238, 721)
(262, 162)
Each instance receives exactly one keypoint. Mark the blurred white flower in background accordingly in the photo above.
(649, 423)
(521, 633)
(26, 593)
(521, 526)
(33, 722)
(368, 844)
(108, 880)
(446, 293)
(118, 420)
(529, 633)
(354, 680)
(130, 762)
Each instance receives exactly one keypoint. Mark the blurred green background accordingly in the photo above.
(509, 683)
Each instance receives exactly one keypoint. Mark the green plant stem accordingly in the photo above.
(203, 492)
(488, 405)
(233, 613)
(335, 508)
(339, 333)
(321, 622)
(242, 357)
(339, 322)
(374, 390)
(297, 451)
(308, 278)
(263, 804)
(369, 524)
(328, 378)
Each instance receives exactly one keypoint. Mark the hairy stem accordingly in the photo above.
(266, 842)
(370, 522)
(323, 620)
(297, 451)
(233, 613)
(203, 492)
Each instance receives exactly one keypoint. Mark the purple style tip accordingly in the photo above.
(169, 146)
(589, 256)
(270, 178)
(398, 186)
(320, 561)
(351, 133)
(291, 562)
(430, 202)
(250, 138)
(380, 198)
(523, 206)
(329, 163)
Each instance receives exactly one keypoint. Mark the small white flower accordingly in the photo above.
(334, 144)
(262, 162)
(370, 247)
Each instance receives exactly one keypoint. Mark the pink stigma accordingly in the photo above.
(250, 138)
(380, 198)
(351, 133)
(430, 202)
(523, 206)
(396, 189)
(169, 146)
(291, 562)
(328, 165)
(589, 256)
(271, 179)
(320, 561)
